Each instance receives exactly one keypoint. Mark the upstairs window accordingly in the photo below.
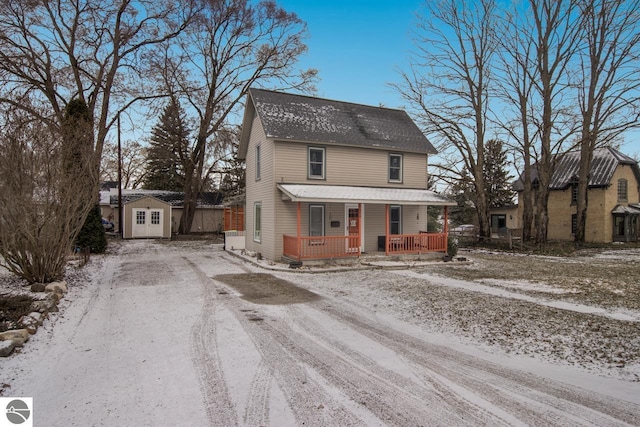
(395, 167)
(316, 162)
(622, 190)
(257, 163)
(574, 194)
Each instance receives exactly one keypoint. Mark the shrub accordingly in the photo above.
(92, 234)
(452, 246)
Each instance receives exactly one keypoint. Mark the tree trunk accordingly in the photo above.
(586, 156)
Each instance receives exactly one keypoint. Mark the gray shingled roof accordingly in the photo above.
(303, 118)
(605, 161)
(174, 198)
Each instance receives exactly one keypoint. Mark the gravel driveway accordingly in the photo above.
(182, 333)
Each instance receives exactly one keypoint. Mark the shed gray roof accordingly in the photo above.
(605, 161)
(302, 118)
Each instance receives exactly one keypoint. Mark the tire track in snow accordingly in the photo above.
(307, 399)
(257, 410)
(217, 402)
(427, 394)
(532, 399)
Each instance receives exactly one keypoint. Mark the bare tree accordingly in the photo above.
(555, 38)
(233, 45)
(607, 82)
(449, 85)
(516, 89)
(45, 181)
(133, 164)
(52, 51)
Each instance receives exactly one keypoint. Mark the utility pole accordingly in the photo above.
(121, 230)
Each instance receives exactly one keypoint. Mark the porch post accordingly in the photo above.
(298, 226)
(386, 230)
(446, 219)
(359, 228)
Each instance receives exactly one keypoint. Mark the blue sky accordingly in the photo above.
(357, 45)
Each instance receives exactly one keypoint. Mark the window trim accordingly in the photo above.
(392, 207)
(258, 163)
(400, 169)
(625, 184)
(324, 162)
(257, 224)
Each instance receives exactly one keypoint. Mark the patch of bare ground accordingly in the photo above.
(608, 279)
(595, 343)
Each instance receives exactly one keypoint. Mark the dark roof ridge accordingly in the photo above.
(320, 98)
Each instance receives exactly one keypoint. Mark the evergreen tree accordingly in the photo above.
(167, 149)
(496, 177)
(92, 234)
(463, 192)
(497, 181)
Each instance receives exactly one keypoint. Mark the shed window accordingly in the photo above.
(622, 190)
(141, 217)
(574, 224)
(155, 217)
(316, 162)
(395, 167)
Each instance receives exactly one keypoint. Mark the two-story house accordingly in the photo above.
(613, 211)
(330, 179)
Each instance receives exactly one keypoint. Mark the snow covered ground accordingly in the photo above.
(182, 333)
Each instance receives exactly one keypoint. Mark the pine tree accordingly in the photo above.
(496, 177)
(168, 145)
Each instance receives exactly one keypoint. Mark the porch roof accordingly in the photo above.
(632, 209)
(373, 195)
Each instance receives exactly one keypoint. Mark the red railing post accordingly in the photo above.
(299, 243)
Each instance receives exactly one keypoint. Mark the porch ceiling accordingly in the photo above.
(373, 195)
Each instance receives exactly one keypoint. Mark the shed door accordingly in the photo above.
(147, 223)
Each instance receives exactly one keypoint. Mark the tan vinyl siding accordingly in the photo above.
(263, 191)
(147, 203)
(348, 166)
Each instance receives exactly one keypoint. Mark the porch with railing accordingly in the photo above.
(323, 247)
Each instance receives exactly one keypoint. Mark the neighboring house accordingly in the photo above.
(163, 208)
(613, 212)
(330, 179)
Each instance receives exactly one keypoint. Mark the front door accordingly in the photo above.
(353, 229)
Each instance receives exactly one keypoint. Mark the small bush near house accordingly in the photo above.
(452, 246)
(92, 234)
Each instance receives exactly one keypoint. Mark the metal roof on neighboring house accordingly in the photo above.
(374, 195)
(604, 163)
(174, 198)
(302, 118)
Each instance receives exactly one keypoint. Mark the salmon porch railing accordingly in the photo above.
(317, 247)
(416, 243)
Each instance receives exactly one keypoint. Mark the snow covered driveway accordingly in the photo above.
(182, 333)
